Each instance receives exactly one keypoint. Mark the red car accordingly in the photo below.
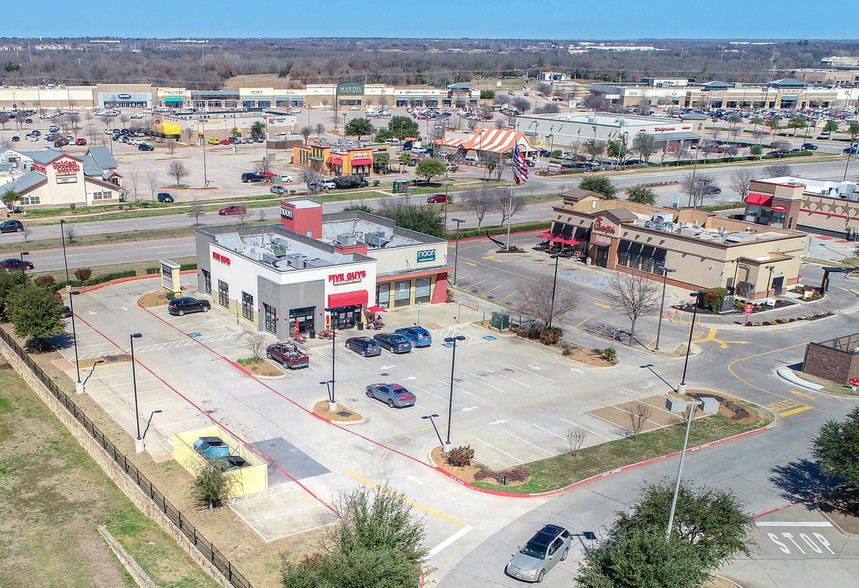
(436, 199)
(224, 142)
(267, 175)
(233, 209)
(80, 141)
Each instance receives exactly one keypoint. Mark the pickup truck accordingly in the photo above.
(288, 355)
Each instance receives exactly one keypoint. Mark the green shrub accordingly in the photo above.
(83, 273)
(567, 350)
(170, 295)
(712, 299)
(188, 266)
(45, 280)
(609, 354)
(376, 183)
(153, 270)
(108, 277)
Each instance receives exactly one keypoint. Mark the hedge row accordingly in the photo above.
(98, 279)
(156, 269)
(516, 228)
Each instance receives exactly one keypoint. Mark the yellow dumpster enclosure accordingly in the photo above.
(249, 471)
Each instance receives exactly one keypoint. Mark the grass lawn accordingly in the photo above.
(53, 497)
(562, 470)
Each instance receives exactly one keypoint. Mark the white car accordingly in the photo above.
(138, 115)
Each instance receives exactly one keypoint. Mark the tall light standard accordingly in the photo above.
(555, 256)
(332, 404)
(456, 249)
(665, 272)
(681, 389)
(138, 445)
(452, 367)
(79, 385)
(431, 417)
(23, 267)
(709, 405)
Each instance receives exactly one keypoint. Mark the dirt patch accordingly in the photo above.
(264, 369)
(467, 473)
(842, 507)
(152, 299)
(729, 407)
(341, 415)
(719, 582)
(119, 358)
(591, 357)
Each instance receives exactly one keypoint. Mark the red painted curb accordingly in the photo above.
(597, 476)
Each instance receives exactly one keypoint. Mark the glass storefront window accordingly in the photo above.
(422, 289)
(247, 306)
(223, 294)
(207, 282)
(402, 293)
(270, 318)
(383, 295)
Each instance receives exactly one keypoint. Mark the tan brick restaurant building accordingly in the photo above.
(706, 251)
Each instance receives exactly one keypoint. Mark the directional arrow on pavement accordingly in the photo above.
(123, 308)
(576, 370)
(387, 367)
(498, 422)
(533, 367)
(467, 408)
(414, 479)
(410, 378)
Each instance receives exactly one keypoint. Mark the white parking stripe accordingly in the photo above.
(549, 432)
(459, 389)
(532, 373)
(499, 450)
(529, 443)
(508, 378)
(586, 429)
(797, 524)
(428, 392)
(485, 384)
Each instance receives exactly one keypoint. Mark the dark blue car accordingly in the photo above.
(393, 342)
(418, 336)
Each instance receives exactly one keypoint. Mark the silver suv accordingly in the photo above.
(550, 545)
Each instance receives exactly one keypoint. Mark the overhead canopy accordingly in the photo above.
(453, 142)
(779, 209)
(759, 199)
(363, 161)
(497, 140)
(348, 299)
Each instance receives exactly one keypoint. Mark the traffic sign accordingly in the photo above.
(749, 309)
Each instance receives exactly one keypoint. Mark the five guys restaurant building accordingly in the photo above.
(283, 277)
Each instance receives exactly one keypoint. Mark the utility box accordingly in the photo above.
(400, 186)
(499, 320)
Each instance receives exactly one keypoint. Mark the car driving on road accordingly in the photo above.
(11, 226)
(546, 548)
(232, 209)
(393, 342)
(436, 199)
(13, 263)
(186, 304)
(393, 395)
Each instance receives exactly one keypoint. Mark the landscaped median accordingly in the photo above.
(565, 471)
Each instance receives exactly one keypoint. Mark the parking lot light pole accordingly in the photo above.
(709, 405)
(681, 389)
(554, 285)
(79, 386)
(665, 272)
(332, 404)
(23, 269)
(430, 417)
(456, 249)
(138, 445)
(149, 422)
(329, 384)
(452, 368)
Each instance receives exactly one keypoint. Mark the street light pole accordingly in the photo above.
(332, 403)
(452, 367)
(665, 272)
(681, 389)
(139, 441)
(23, 274)
(71, 307)
(430, 417)
(554, 285)
(456, 249)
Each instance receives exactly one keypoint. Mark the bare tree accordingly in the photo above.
(739, 181)
(171, 146)
(195, 209)
(255, 343)
(319, 129)
(263, 166)
(633, 295)
(644, 144)
(781, 145)
(152, 182)
(74, 120)
(70, 232)
(695, 187)
(243, 217)
(682, 152)
(479, 202)
(537, 300)
(27, 233)
(133, 176)
(311, 177)
(305, 132)
(261, 215)
(521, 104)
(177, 170)
(506, 206)
(639, 413)
(575, 439)
(778, 170)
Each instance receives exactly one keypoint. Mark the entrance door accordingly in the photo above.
(345, 317)
(302, 316)
(778, 285)
(601, 257)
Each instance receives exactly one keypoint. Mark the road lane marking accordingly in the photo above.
(492, 290)
(475, 284)
(603, 305)
(796, 524)
(711, 336)
(794, 411)
(404, 499)
(471, 264)
(449, 541)
(777, 395)
(802, 394)
(508, 296)
(485, 384)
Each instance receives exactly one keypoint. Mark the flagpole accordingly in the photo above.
(510, 202)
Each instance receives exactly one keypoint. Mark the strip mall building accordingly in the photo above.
(282, 278)
(704, 250)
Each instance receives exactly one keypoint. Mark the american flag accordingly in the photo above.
(520, 168)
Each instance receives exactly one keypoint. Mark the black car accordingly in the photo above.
(712, 190)
(809, 147)
(252, 177)
(364, 345)
(186, 304)
(11, 226)
(13, 263)
(165, 197)
(394, 342)
(145, 147)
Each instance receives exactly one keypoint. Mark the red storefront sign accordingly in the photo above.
(66, 167)
(347, 278)
(222, 258)
(602, 227)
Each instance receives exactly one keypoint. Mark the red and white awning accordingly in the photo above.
(453, 141)
(497, 140)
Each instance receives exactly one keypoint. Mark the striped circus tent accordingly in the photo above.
(498, 141)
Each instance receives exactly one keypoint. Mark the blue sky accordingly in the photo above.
(550, 19)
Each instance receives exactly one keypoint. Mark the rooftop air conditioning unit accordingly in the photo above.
(269, 258)
(346, 239)
(296, 260)
(696, 224)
